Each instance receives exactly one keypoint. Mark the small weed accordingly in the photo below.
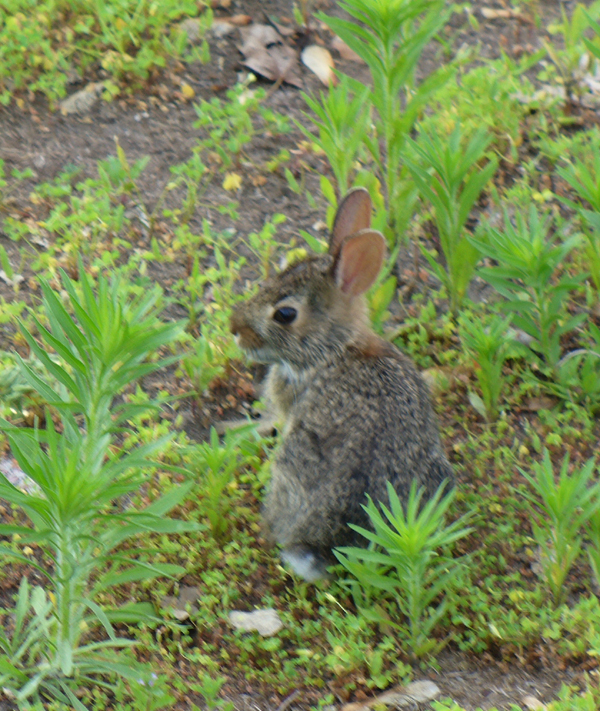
(528, 261)
(488, 345)
(449, 179)
(567, 506)
(405, 564)
(342, 117)
(390, 38)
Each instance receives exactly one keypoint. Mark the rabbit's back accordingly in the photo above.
(360, 420)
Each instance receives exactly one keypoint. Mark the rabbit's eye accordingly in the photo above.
(285, 315)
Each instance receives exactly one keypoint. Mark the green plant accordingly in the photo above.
(342, 118)
(209, 687)
(488, 344)
(229, 123)
(405, 562)
(390, 37)
(572, 699)
(41, 46)
(568, 59)
(584, 177)
(578, 374)
(203, 364)
(80, 473)
(567, 505)
(483, 97)
(593, 550)
(449, 179)
(149, 692)
(218, 462)
(527, 276)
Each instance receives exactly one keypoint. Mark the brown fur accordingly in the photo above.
(356, 412)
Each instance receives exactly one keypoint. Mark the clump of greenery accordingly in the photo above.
(81, 474)
(529, 260)
(488, 345)
(390, 38)
(409, 563)
(448, 177)
(567, 506)
(43, 43)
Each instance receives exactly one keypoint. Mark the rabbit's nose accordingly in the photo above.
(245, 335)
(235, 324)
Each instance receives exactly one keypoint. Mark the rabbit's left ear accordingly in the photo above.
(359, 262)
(353, 215)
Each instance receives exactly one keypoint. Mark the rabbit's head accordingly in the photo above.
(316, 307)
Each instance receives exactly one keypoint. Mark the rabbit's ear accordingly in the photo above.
(359, 262)
(353, 214)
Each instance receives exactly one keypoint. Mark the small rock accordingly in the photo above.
(17, 477)
(417, 692)
(265, 622)
(532, 703)
(11, 281)
(82, 101)
(222, 28)
(182, 604)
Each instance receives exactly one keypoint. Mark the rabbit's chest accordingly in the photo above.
(286, 387)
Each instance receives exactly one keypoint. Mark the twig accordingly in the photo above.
(289, 700)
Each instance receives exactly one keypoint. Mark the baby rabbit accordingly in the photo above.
(355, 411)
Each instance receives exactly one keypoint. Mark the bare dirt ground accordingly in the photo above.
(160, 125)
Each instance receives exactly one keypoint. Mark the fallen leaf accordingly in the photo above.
(535, 404)
(266, 622)
(257, 37)
(16, 476)
(233, 181)
(320, 62)
(493, 14)
(187, 91)
(344, 51)
(240, 20)
(416, 692)
(533, 704)
(267, 55)
(283, 30)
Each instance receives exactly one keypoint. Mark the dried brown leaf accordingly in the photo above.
(320, 62)
(256, 38)
(344, 51)
(267, 55)
(240, 20)
(490, 13)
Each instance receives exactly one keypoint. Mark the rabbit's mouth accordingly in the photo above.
(261, 355)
